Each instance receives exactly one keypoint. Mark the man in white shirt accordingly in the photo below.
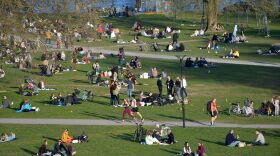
(184, 86)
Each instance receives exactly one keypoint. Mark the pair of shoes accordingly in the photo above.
(73, 153)
(37, 109)
(142, 120)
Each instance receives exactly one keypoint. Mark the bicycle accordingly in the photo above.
(139, 133)
(235, 109)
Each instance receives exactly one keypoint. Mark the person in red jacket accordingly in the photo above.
(99, 30)
(213, 112)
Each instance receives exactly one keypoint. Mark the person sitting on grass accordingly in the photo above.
(200, 150)
(170, 137)
(26, 107)
(260, 141)
(5, 103)
(231, 140)
(152, 141)
(5, 137)
(43, 149)
(59, 148)
(65, 138)
(187, 151)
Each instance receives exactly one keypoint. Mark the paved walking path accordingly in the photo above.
(171, 57)
(119, 123)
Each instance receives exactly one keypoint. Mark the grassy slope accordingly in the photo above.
(247, 50)
(228, 83)
(107, 140)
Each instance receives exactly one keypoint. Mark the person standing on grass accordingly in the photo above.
(127, 110)
(135, 108)
(184, 86)
(99, 31)
(159, 85)
(169, 84)
(214, 111)
(178, 89)
(275, 102)
(130, 87)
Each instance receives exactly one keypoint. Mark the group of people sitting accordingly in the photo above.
(135, 63)
(269, 107)
(71, 99)
(63, 146)
(161, 135)
(30, 88)
(198, 33)
(197, 63)
(233, 141)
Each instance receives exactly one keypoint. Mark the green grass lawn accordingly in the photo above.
(247, 50)
(227, 83)
(117, 140)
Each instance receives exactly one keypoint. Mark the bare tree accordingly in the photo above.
(212, 14)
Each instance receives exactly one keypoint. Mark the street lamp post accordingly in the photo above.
(181, 58)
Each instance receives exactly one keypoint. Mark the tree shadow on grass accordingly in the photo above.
(80, 81)
(126, 137)
(180, 118)
(171, 151)
(273, 133)
(213, 142)
(102, 116)
(49, 138)
(28, 151)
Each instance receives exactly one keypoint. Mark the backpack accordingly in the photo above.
(208, 106)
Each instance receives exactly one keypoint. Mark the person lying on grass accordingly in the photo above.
(5, 137)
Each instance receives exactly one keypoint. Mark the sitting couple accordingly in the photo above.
(232, 141)
(59, 149)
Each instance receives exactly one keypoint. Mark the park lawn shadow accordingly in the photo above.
(273, 133)
(180, 118)
(126, 137)
(80, 81)
(28, 151)
(107, 117)
(49, 138)
(171, 151)
(213, 142)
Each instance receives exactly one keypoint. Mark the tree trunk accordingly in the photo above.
(138, 4)
(212, 14)
(65, 6)
(78, 6)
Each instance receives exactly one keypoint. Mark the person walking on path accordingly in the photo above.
(99, 31)
(127, 111)
(135, 108)
(159, 85)
(214, 111)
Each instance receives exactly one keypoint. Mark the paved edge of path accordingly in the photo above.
(102, 122)
(172, 57)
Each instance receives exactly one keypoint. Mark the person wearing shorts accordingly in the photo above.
(213, 112)
(127, 110)
(135, 109)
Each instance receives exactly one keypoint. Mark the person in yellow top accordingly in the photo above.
(65, 138)
(48, 34)
(235, 54)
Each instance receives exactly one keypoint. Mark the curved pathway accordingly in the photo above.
(103, 122)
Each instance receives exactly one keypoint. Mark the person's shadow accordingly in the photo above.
(214, 142)
(28, 151)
